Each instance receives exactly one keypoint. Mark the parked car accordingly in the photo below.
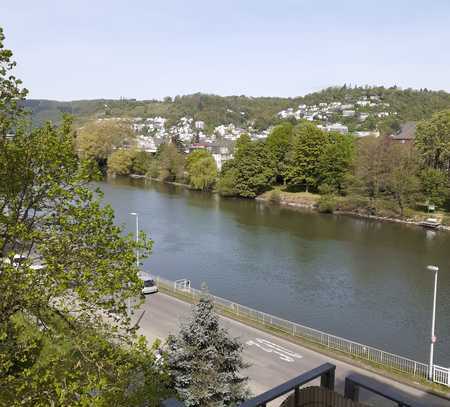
(149, 286)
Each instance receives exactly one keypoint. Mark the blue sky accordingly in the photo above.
(149, 49)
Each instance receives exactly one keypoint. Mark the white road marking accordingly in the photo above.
(269, 347)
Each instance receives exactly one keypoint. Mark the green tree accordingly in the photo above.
(202, 170)
(278, 143)
(251, 168)
(402, 183)
(65, 336)
(171, 163)
(433, 141)
(205, 362)
(120, 162)
(336, 160)
(142, 162)
(12, 94)
(371, 167)
(435, 187)
(97, 139)
(303, 165)
(226, 185)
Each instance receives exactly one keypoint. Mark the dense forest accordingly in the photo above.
(410, 105)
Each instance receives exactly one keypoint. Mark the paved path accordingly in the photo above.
(273, 360)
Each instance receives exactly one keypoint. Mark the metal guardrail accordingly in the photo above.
(441, 375)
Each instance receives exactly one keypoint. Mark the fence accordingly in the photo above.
(401, 364)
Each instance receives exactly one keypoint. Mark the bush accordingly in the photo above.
(153, 170)
(446, 220)
(275, 197)
(227, 182)
(142, 162)
(386, 208)
(120, 162)
(355, 203)
(327, 204)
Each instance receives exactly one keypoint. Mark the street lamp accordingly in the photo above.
(137, 252)
(137, 236)
(435, 270)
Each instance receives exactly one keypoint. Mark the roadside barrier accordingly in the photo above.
(441, 375)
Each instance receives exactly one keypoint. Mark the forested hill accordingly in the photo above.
(214, 110)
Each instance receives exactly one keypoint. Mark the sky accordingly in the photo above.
(148, 49)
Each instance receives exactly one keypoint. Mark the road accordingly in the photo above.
(272, 360)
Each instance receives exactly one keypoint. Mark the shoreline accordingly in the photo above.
(309, 206)
(314, 208)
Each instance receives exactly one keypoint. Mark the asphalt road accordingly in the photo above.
(272, 359)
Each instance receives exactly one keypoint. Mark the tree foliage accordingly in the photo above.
(98, 139)
(205, 362)
(336, 161)
(10, 90)
(308, 146)
(278, 144)
(201, 169)
(142, 162)
(65, 337)
(171, 163)
(251, 170)
(120, 162)
(435, 188)
(411, 105)
(433, 141)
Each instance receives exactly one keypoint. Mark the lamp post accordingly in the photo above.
(435, 270)
(137, 252)
(137, 236)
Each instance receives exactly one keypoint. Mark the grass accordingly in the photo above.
(301, 198)
(433, 388)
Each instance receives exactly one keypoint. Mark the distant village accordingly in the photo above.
(329, 117)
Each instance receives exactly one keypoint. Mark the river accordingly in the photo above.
(360, 279)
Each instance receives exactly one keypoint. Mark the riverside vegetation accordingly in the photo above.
(66, 338)
(301, 165)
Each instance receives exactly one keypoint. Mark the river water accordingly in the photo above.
(360, 279)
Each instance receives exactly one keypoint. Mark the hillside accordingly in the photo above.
(407, 104)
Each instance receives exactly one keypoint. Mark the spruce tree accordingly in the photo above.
(205, 362)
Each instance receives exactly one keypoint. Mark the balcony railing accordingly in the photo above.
(326, 372)
(356, 381)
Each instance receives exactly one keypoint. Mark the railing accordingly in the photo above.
(355, 381)
(326, 372)
(441, 375)
(357, 350)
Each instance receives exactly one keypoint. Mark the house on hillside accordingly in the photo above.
(220, 154)
(146, 144)
(335, 127)
(348, 113)
(407, 133)
(367, 133)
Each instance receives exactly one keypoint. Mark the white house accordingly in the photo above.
(337, 127)
(199, 125)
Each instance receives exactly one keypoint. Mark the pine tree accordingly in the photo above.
(204, 361)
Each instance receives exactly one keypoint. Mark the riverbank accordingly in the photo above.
(341, 205)
(311, 201)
